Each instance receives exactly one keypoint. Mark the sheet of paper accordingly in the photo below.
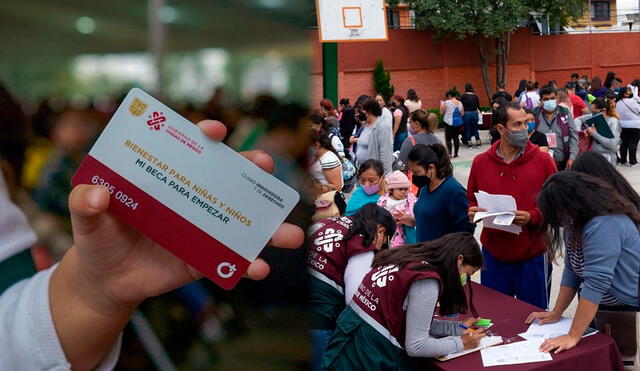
(496, 203)
(511, 228)
(551, 330)
(548, 331)
(504, 219)
(485, 342)
(485, 214)
(499, 212)
(515, 353)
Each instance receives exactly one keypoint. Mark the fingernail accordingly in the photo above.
(93, 197)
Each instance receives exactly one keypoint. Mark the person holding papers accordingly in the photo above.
(603, 141)
(514, 262)
(442, 202)
(391, 315)
(602, 259)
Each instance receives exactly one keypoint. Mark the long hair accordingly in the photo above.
(594, 164)
(318, 118)
(322, 137)
(571, 199)
(624, 90)
(607, 105)
(596, 83)
(435, 154)
(522, 85)
(442, 257)
(609, 79)
(327, 105)
(412, 96)
(563, 95)
(427, 120)
(366, 222)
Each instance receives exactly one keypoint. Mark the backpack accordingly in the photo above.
(349, 175)
(528, 103)
(333, 131)
(457, 118)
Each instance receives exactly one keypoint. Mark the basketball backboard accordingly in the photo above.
(351, 20)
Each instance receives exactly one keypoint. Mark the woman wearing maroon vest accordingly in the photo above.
(391, 315)
(340, 255)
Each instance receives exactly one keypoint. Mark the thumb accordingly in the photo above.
(87, 204)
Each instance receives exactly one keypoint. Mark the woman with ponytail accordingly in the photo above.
(319, 123)
(607, 147)
(442, 201)
(391, 315)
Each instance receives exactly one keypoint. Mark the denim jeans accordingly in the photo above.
(470, 120)
(319, 342)
(398, 140)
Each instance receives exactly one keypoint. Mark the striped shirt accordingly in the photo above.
(576, 261)
(327, 161)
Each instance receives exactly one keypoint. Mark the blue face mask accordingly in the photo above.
(532, 127)
(549, 105)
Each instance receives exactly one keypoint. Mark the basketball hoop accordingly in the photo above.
(351, 20)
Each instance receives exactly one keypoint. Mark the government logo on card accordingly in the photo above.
(156, 120)
(137, 107)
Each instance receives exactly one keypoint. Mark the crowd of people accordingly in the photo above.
(392, 248)
(390, 259)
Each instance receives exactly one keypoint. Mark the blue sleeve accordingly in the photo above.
(569, 277)
(601, 243)
(458, 208)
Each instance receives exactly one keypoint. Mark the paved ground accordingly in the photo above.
(462, 166)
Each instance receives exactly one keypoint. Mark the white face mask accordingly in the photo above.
(549, 105)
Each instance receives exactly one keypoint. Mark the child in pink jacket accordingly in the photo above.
(398, 200)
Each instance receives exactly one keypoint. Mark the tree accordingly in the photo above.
(487, 20)
(382, 81)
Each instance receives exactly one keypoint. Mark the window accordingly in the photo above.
(600, 11)
(393, 18)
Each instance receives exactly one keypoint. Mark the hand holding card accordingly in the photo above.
(195, 197)
(115, 250)
(111, 268)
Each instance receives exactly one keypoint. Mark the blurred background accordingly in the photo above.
(65, 65)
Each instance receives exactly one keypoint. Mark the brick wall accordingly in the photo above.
(416, 61)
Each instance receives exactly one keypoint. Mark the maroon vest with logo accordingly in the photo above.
(329, 253)
(382, 295)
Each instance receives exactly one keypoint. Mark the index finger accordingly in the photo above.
(531, 317)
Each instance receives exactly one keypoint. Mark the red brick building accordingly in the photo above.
(417, 61)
